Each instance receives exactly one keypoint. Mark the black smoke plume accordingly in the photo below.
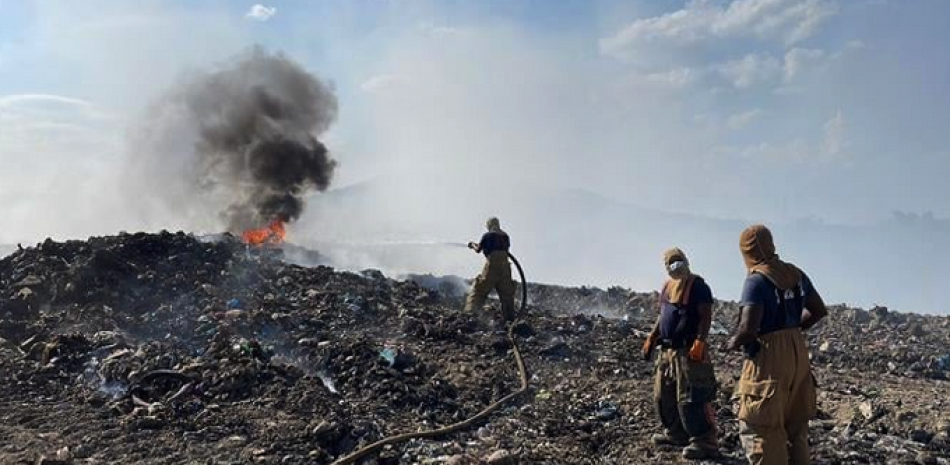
(252, 127)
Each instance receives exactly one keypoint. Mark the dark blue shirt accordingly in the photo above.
(494, 241)
(680, 323)
(780, 309)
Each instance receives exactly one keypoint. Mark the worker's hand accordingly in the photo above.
(473, 246)
(697, 352)
(726, 346)
(733, 344)
(649, 345)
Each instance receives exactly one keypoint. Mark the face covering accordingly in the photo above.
(681, 278)
(758, 251)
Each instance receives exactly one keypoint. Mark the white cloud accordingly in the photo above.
(677, 78)
(64, 151)
(804, 18)
(797, 59)
(26, 99)
(260, 12)
(855, 44)
(835, 144)
(383, 83)
(750, 70)
(436, 31)
(54, 106)
(785, 21)
(33, 121)
(830, 147)
(743, 119)
(795, 151)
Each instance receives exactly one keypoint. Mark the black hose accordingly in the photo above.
(138, 389)
(524, 284)
(157, 374)
(522, 374)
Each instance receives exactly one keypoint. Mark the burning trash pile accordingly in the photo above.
(166, 348)
(238, 145)
(185, 343)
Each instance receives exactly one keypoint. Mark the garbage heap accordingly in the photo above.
(169, 348)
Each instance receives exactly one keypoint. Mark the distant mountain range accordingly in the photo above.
(576, 237)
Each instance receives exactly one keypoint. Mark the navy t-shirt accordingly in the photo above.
(680, 323)
(494, 241)
(780, 310)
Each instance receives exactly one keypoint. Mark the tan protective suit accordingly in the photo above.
(776, 391)
(496, 274)
(683, 391)
(776, 399)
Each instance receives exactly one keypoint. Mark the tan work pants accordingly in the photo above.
(683, 391)
(776, 399)
(496, 275)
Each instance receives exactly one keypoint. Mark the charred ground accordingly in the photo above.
(164, 348)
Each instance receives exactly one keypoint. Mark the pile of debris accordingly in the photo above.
(167, 348)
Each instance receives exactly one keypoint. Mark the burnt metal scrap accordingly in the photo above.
(167, 348)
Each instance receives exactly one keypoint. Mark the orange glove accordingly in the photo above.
(697, 352)
(649, 345)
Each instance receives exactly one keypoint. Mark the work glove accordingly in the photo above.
(472, 245)
(697, 352)
(649, 345)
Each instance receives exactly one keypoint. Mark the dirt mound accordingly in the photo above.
(166, 348)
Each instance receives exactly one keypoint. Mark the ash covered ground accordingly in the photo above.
(163, 348)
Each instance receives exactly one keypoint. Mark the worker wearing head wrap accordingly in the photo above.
(776, 391)
(496, 274)
(685, 383)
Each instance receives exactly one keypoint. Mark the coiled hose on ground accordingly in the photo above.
(455, 427)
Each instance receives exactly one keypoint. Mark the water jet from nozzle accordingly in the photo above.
(396, 243)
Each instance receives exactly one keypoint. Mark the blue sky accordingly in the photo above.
(753, 110)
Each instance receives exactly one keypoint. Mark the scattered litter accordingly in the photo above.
(227, 353)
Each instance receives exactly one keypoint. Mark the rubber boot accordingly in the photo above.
(664, 439)
(700, 451)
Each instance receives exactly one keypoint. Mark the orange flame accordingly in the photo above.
(273, 234)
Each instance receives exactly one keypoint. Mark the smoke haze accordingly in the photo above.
(254, 123)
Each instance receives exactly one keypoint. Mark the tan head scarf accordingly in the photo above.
(493, 224)
(758, 251)
(677, 288)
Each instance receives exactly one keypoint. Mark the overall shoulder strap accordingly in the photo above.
(791, 301)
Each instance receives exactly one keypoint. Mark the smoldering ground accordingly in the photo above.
(236, 146)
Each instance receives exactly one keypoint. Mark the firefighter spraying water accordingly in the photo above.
(495, 275)
(497, 271)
